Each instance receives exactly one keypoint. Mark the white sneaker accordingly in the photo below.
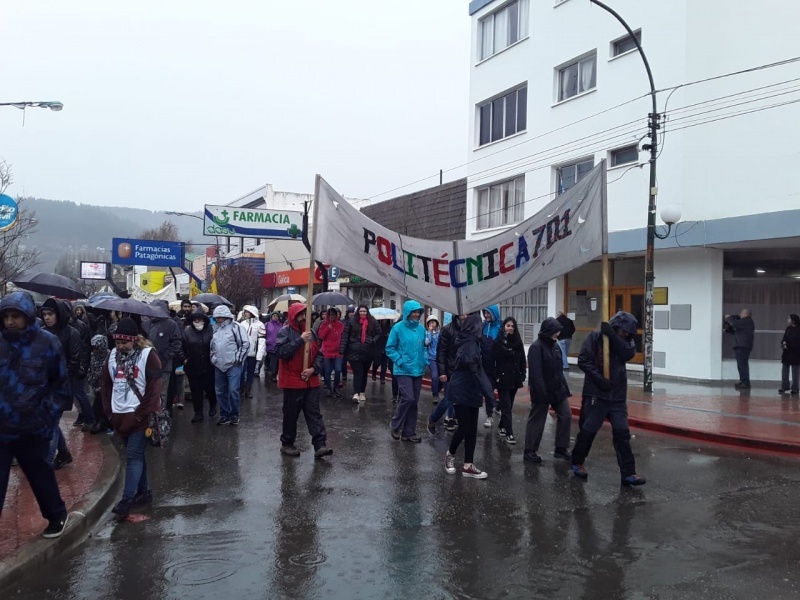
(449, 464)
(474, 472)
(511, 439)
(488, 422)
(362, 398)
(356, 397)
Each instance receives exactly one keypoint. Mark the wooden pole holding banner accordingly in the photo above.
(606, 299)
(311, 267)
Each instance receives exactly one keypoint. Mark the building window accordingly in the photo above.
(502, 28)
(501, 203)
(529, 309)
(503, 116)
(577, 77)
(626, 44)
(624, 156)
(569, 175)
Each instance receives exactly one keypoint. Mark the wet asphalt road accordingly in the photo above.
(233, 518)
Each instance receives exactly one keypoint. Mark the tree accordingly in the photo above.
(167, 232)
(238, 282)
(15, 256)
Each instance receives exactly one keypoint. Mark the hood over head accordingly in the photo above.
(223, 311)
(21, 301)
(796, 319)
(494, 310)
(163, 305)
(472, 325)
(62, 314)
(410, 306)
(99, 342)
(294, 310)
(252, 310)
(199, 314)
(448, 317)
(550, 326)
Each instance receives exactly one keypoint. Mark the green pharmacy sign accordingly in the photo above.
(234, 221)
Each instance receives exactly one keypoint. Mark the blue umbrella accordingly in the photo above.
(94, 299)
(384, 314)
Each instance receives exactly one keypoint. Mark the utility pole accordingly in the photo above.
(649, 275)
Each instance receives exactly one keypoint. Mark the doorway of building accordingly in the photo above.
(631, 299)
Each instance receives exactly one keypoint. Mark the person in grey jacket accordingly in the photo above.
(743, 329)
(165, 335)
(229, 347)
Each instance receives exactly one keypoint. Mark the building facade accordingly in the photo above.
(556, 86)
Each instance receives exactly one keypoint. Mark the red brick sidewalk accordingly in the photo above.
(21, 522)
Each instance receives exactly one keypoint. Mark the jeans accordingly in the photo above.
(445, 406)
(405, 417)
(166, 401)
(536, 422)
(381, 363)
(596, 411)
(306, 401)
(272, 364)
(506, 406)
(249, 372)
(434, 376)
(78, 387)
(227, 387)
(487, 391)
(467, 431)
(31, 454)
(743, 364)
(57, 441)
(785, 376)
(564, 345)
(332, 365)
(202, 384)
(135, 464)
(360, 373)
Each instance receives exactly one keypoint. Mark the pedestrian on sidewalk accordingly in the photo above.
(406, 349)
(790, 357)
(465, 391)
(300, 385)
(446, 365)
(35, 387)
(607, 398)
(431, 343)
(359, 346)
(97, 364)
(565, 337)
(253, 330)
(197, 364)
(131, 392)
(509, 368)
(229, 347)
(165, 336)
(55, 320)
(548, 387)
(491, 329)
(330, 336)
(267, 353)
(743, 329)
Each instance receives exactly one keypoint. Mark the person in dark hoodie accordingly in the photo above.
(55, 320)
(197, 364)
(508, 365)
(548, 388)
(301, 386)
(94, 377)
(165, 335)
(790, 357)
(359, 346)
(446, 363)
(79, 384)
(34, 389)
(491, 329)
(607, 398)
(465, 391)
(743, 329)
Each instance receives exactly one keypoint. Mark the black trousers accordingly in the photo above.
(97, 409)
(381, 362)
(506, 404)
(198, 384)
(595, 412)
(31, 453)
(360, 373)
(306, 401)
(467, 431)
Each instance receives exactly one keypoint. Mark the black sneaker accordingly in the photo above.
(197, 418)
(212, 412)
(633, 480)
(145, 497)
(61, 459)
(451, 425)
(123, 507)
(322, 452)
(290, 450)
(395, 432)
(224, 421)
(431, 427)
(414, 438)
(562, 453)
(78, 422)
(501, 432)
(56, 527)
(234, 420)
(532, 457)
(394, 399)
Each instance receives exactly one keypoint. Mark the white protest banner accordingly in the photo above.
(466, 275)
(166, 293)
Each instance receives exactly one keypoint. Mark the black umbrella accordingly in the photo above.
(94, 299)
(332, 299)
(131, 306)
(51, 285)
(209, 298)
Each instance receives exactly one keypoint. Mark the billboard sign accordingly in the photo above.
(94, 270)
(233, 221)
(9, 212)
(146, 253)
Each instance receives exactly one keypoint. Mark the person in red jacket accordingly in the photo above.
(300, 385)
(330, 334)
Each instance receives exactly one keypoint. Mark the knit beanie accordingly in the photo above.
(126, 330)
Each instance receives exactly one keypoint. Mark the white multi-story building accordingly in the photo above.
(557, 86)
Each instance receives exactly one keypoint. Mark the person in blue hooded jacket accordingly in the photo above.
(406, 349)
(491, 330)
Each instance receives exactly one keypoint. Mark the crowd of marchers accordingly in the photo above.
(55, 355)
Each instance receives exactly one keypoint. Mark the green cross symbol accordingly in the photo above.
(294, 231)
(224, 220)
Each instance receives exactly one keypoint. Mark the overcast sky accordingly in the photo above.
(172, 104)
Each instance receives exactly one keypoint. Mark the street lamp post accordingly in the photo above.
(649, 276)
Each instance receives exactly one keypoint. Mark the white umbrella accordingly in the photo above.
(384, 314)
(284, 301)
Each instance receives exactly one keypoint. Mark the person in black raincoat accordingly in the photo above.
(508, 369)
(548, 388)
(196, 339)
(743, 329)
(790, 358)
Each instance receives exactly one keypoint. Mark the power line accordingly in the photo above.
(779, 63)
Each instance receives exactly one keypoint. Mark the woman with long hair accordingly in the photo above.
(359, 346)
(509, 370)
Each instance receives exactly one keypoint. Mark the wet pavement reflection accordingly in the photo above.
(233, 518)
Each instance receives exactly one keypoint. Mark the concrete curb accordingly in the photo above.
(83, 517)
